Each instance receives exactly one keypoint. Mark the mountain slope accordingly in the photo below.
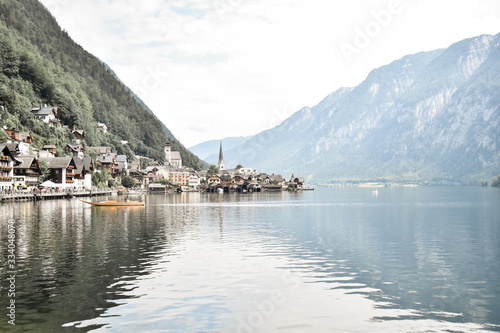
(209, 150)
(40, 63)
(431, 116)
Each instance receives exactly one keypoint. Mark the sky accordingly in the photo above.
(211, 69)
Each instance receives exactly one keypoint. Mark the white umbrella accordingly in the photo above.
(48, 183)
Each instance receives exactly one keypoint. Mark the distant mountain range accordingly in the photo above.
(209, 150)
(431, 117)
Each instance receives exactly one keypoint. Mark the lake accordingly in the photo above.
(329, 260)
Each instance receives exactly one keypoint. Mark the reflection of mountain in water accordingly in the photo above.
(420, 252)
(422, 259)
(75, 262)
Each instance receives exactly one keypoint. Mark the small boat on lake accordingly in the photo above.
(115, 203)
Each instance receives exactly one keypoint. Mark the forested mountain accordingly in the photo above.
(431, 117)
(41, 64)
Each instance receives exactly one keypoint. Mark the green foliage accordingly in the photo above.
(212, 170)
(144, 163)
(92, 154)
(128, 182)
(3, 136)
(44, 170)
(162, 181)
(239, 166)
(136, 175)
(496, 182)
(40, 64)
(100, 179)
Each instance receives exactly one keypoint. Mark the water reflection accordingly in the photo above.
(406, 260)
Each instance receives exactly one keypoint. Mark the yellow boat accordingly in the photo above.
(115, 203)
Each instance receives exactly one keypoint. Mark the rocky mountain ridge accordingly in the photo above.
(431, 117)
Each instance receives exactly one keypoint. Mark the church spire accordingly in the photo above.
(220, 164)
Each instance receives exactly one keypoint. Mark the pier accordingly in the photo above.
(49, 196)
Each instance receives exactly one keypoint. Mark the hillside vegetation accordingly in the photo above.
(41, 64)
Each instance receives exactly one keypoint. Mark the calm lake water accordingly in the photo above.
(332, 260)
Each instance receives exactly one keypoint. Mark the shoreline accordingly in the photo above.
(51, 196)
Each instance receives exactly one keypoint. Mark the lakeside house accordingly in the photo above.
(179, 177)
(62, 171)
(83, 173)
(7, 163)
(27, 173)
(194, 181)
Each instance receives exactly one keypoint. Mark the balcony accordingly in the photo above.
(5, 168)
(4, 158)
(5, 179)
(69, 181)
(70, 174)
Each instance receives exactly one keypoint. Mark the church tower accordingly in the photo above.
(220, 164)
(168, 152)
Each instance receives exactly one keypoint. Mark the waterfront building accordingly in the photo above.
(83, 173)
(194, 181)
(7, 163)
(179, 176)
(62, 171)
(27, 173)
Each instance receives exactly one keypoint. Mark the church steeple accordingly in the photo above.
(220, 164)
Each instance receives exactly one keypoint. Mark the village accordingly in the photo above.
(26, 169)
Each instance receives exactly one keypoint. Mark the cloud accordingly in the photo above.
(239, 61)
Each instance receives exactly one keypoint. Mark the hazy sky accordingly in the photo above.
(210, 69)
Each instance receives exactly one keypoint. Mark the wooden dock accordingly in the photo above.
(49, 196)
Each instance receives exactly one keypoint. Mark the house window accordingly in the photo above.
(57, 172)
